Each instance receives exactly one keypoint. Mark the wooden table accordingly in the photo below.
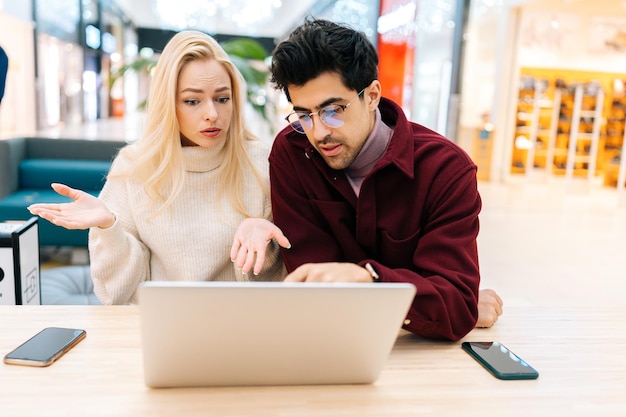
(579, 353)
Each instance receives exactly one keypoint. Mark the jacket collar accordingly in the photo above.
(401, 147)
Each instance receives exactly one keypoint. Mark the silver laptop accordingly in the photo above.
(252, 333)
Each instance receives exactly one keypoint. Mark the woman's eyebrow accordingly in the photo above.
(200, 90)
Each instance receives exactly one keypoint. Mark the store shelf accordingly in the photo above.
(569, 123)
(536, 126)
(583, 145)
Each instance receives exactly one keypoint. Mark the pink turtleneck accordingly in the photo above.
(373, 149)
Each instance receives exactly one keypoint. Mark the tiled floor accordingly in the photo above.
(543, 241)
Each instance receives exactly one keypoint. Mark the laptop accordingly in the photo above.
(199, 334)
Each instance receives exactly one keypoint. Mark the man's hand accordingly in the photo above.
(83, 212)
(250, 243)
(489, 302)
(489, 308)
(329, 272)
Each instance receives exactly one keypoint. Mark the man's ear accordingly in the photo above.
(373, 93)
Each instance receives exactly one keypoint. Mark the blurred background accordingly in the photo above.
(533, 90)
(499, 77)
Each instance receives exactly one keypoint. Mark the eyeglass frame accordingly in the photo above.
(319, 114)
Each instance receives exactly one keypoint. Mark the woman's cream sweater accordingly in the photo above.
(189, 241)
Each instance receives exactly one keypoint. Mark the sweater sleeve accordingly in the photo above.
(119, 260)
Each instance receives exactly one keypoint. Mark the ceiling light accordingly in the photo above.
(203, 15)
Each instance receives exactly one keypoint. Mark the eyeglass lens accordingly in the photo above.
(331, 115)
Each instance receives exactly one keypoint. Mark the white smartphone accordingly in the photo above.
(45, 347)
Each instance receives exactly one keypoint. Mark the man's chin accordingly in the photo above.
(336, 163)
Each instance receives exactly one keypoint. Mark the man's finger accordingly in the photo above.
(300, 274)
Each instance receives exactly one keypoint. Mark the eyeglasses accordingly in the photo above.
(331, 115)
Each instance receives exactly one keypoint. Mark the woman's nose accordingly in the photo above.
(210, 112)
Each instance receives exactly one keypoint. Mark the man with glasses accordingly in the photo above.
(365, 195)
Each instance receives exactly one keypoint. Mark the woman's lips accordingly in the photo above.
(211, 133)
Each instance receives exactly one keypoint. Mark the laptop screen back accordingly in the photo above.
(258, 333)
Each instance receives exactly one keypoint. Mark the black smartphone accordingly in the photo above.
(499, 360)
(45, 347)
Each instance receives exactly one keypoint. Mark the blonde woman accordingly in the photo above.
(189, 201)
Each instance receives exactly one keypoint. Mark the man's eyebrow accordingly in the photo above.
(325, 103)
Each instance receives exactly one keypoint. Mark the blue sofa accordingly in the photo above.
(29, 165)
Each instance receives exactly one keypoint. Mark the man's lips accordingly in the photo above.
(331, 149)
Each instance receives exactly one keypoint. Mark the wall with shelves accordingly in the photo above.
(568, 122)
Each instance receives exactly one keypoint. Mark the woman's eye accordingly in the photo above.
(191, 102)
(223, 100)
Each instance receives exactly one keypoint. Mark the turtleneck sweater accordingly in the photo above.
(373, 149)
(188, 241)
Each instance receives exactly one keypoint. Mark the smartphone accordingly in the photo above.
(499, 360)
(45, 347)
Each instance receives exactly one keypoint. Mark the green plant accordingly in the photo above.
(249, 57)
(137, 66)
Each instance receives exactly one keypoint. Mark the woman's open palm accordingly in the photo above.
(83, 212)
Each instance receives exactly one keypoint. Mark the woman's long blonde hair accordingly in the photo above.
(157, 156)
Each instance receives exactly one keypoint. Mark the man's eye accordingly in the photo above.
(329, 111)
(303, 116)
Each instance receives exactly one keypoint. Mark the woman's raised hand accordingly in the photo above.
(250, 243)
(83, 212)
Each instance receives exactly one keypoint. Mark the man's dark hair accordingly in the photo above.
(319, 46)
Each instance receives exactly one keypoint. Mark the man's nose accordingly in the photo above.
(319, 130)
